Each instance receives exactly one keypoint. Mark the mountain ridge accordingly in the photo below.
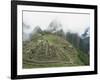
(49, 50)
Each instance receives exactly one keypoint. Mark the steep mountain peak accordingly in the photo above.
(50, 49)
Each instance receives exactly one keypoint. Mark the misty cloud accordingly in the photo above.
(73, 22)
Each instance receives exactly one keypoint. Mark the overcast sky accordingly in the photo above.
(73, 22)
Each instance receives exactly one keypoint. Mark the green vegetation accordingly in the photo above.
(84, 57)
(52, 47)
(50, 50)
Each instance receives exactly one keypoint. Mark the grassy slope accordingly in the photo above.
(61, 53)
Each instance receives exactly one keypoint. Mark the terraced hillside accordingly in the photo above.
(49, 50)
